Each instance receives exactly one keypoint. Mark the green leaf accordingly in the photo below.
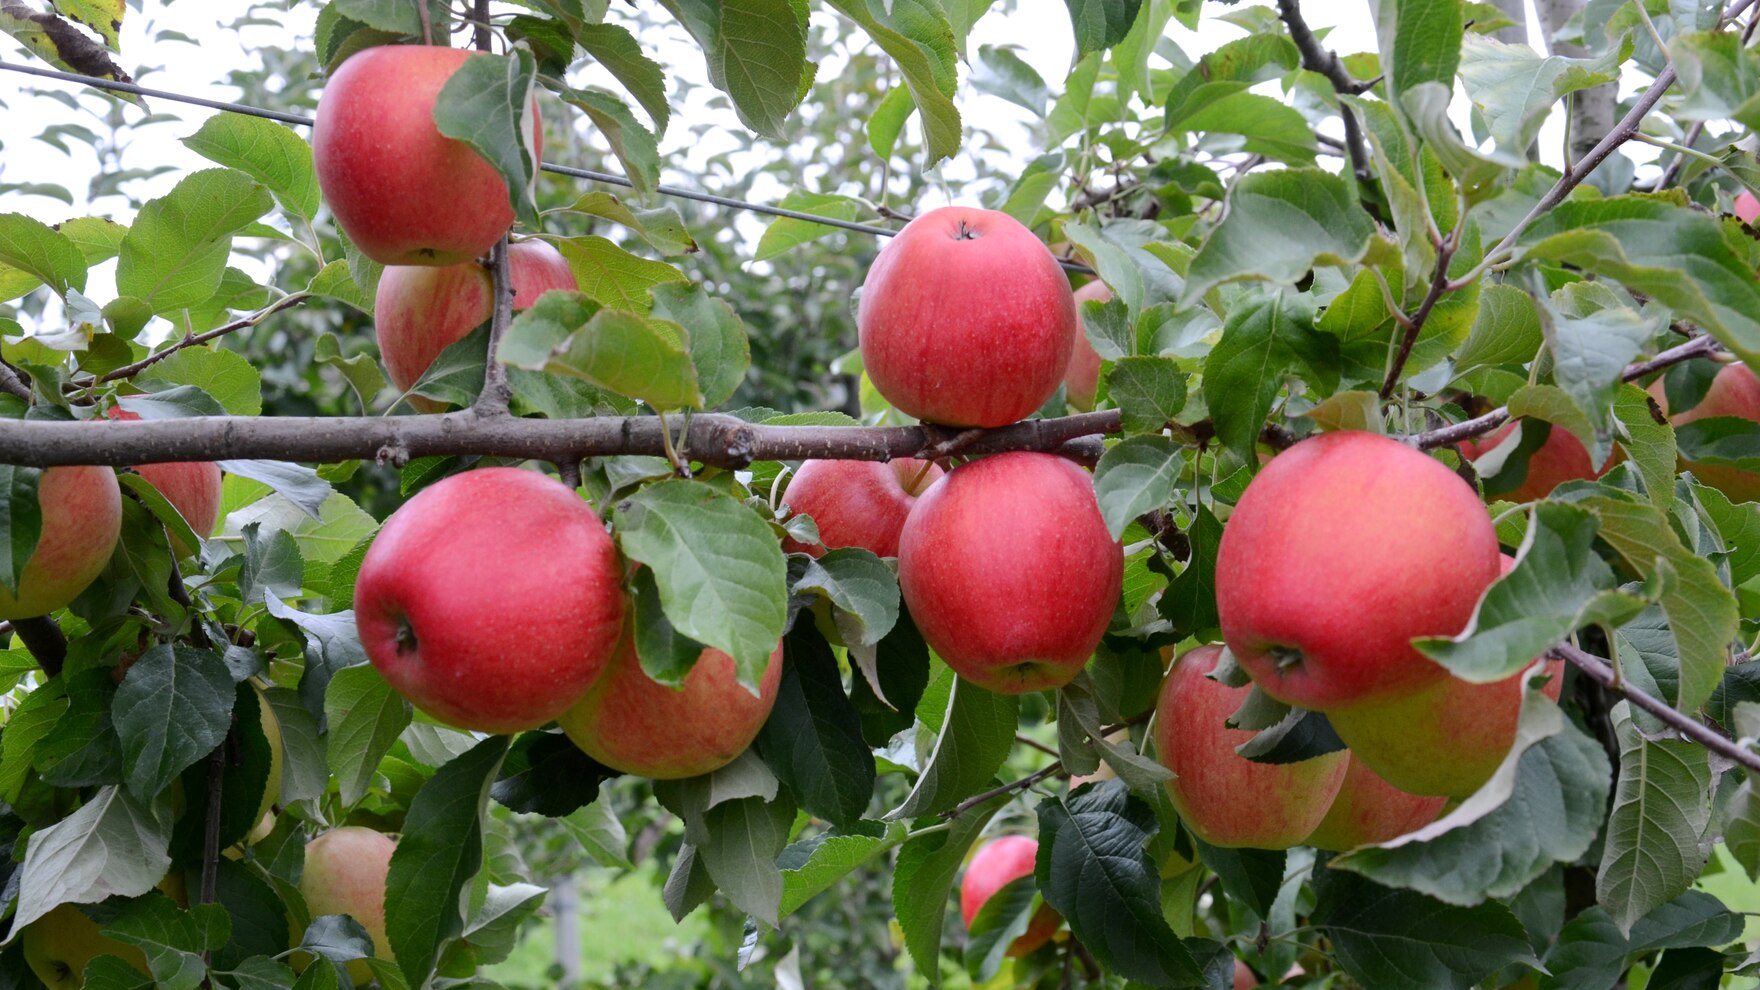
(860, 586)
(567, 333)
(361, 371)
(173, 940)
(267, 151)
(1149, 392)
(1544, 805)
(336, 281)
(923, 877)
(666, 656)
(1003, 918)
(718, 566)
(662, 228)
(719, 350)
(811, 867)
(1398, 939)
(745, 835)
(812, 740)
(1264, 338)
(1420, 43)
(1131, 55)
(917, 35)
(1270, 126)
(398, 16)
(1278, 226)
(42, 252)
(175, 252)
(98, 238)
(633, 144)
(1676, 255)
(1650, 445)
(1189, 603)
(1719, 78)
(613, 277)
(365, 717)
(787, 233)
(1133, 477)
(1514, 88)
(173, 707)
(546, 774)
(888, 119)
(487, 104)
(621, 55)
(21, 522)
(1661, 810)
(596, 827)
(1506, 330)
(112, 845)
(1593, 336)
(1591, 953)
(225, 375)
(1094, 869)
(1250, 877)
(1558, 586)
(1000, 72)
(977, 733)
(441, 849)
(757, 54)
(1100, 24)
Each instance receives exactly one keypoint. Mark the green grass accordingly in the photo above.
(622, 920)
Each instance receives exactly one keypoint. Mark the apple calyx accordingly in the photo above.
(1287, 657)
(966, 232)
(407, 643)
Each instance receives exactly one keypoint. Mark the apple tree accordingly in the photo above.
(1289, 525)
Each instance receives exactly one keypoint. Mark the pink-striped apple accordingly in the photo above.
(858, 503)
(633, 723)
(421, 310)
(345, 873)
(966, 319)
(1368, 809)
(192, 488)
(491, 599)
(1223, 797)
(1735, 391)
(82, 517)
(997, 864)
(1560, 459)
(403, 192)
(1082, 379)
(1341, 551)
(1009, 571)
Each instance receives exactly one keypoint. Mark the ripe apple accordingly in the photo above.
(491, 599)
(58, 946)
(1082, 379)
(421, 310)
(345, 874)
(403, 192)
(1444, 738)
(997, 864)
(1223, 797)
(1746, 206)
(82, 517)
(858, 503)
(1733, 392)
(1343, 549)
(1010, 572)
(1560, 459)
(1244, 977)
(1368, 809)
(192, 488)
(633, 723)
(966, 319)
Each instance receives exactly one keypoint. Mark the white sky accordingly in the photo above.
(1038, 30)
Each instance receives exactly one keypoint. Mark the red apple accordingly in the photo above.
(1343, 549)
(1746, 206)
(1082, 379)
(1223, 797)
(403, 192)
(1244, 977)
(1368, 810)
(858, 503)
(1734, 392)
(491, 599)
(1560, 459)
(966, 319)
(82, 517)
(345, 873)
(192, 487)
(421, 310)
(997, 864)
(630, 722)
(1010, 572)
(1445, 738)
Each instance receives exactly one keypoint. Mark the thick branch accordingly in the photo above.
(713, 438)
(1318, 58)
(1602, 673)
(1445, 436)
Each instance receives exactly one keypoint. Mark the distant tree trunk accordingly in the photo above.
(565, 902)
(1591, 109)
(1517, 33)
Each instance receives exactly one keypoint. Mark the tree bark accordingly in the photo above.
(1591, 113)
(1517, 33)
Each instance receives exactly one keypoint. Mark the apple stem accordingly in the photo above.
(916, 485)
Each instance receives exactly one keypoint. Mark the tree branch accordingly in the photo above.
(712, 438)
(43, 638)
(130, 370)
(1318, 58)
(496, 394)
(1694, 730)
(1698, 347)
(11, 383)
(1438, 285)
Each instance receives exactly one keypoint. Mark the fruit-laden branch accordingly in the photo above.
(710, 438)
(1602, 673)
(1698, 347)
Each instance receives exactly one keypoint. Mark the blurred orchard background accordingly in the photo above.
(605, 926)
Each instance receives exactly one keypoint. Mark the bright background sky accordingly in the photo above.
(1038, 30)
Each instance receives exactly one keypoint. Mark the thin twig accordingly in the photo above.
(496, 394)
(1602, 673)
(11, 383)
(1438, 285)
(1051, 769)
(1318, 58)
(192, 340)
(482, 35)
(1673, 172)
(1035, 744)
